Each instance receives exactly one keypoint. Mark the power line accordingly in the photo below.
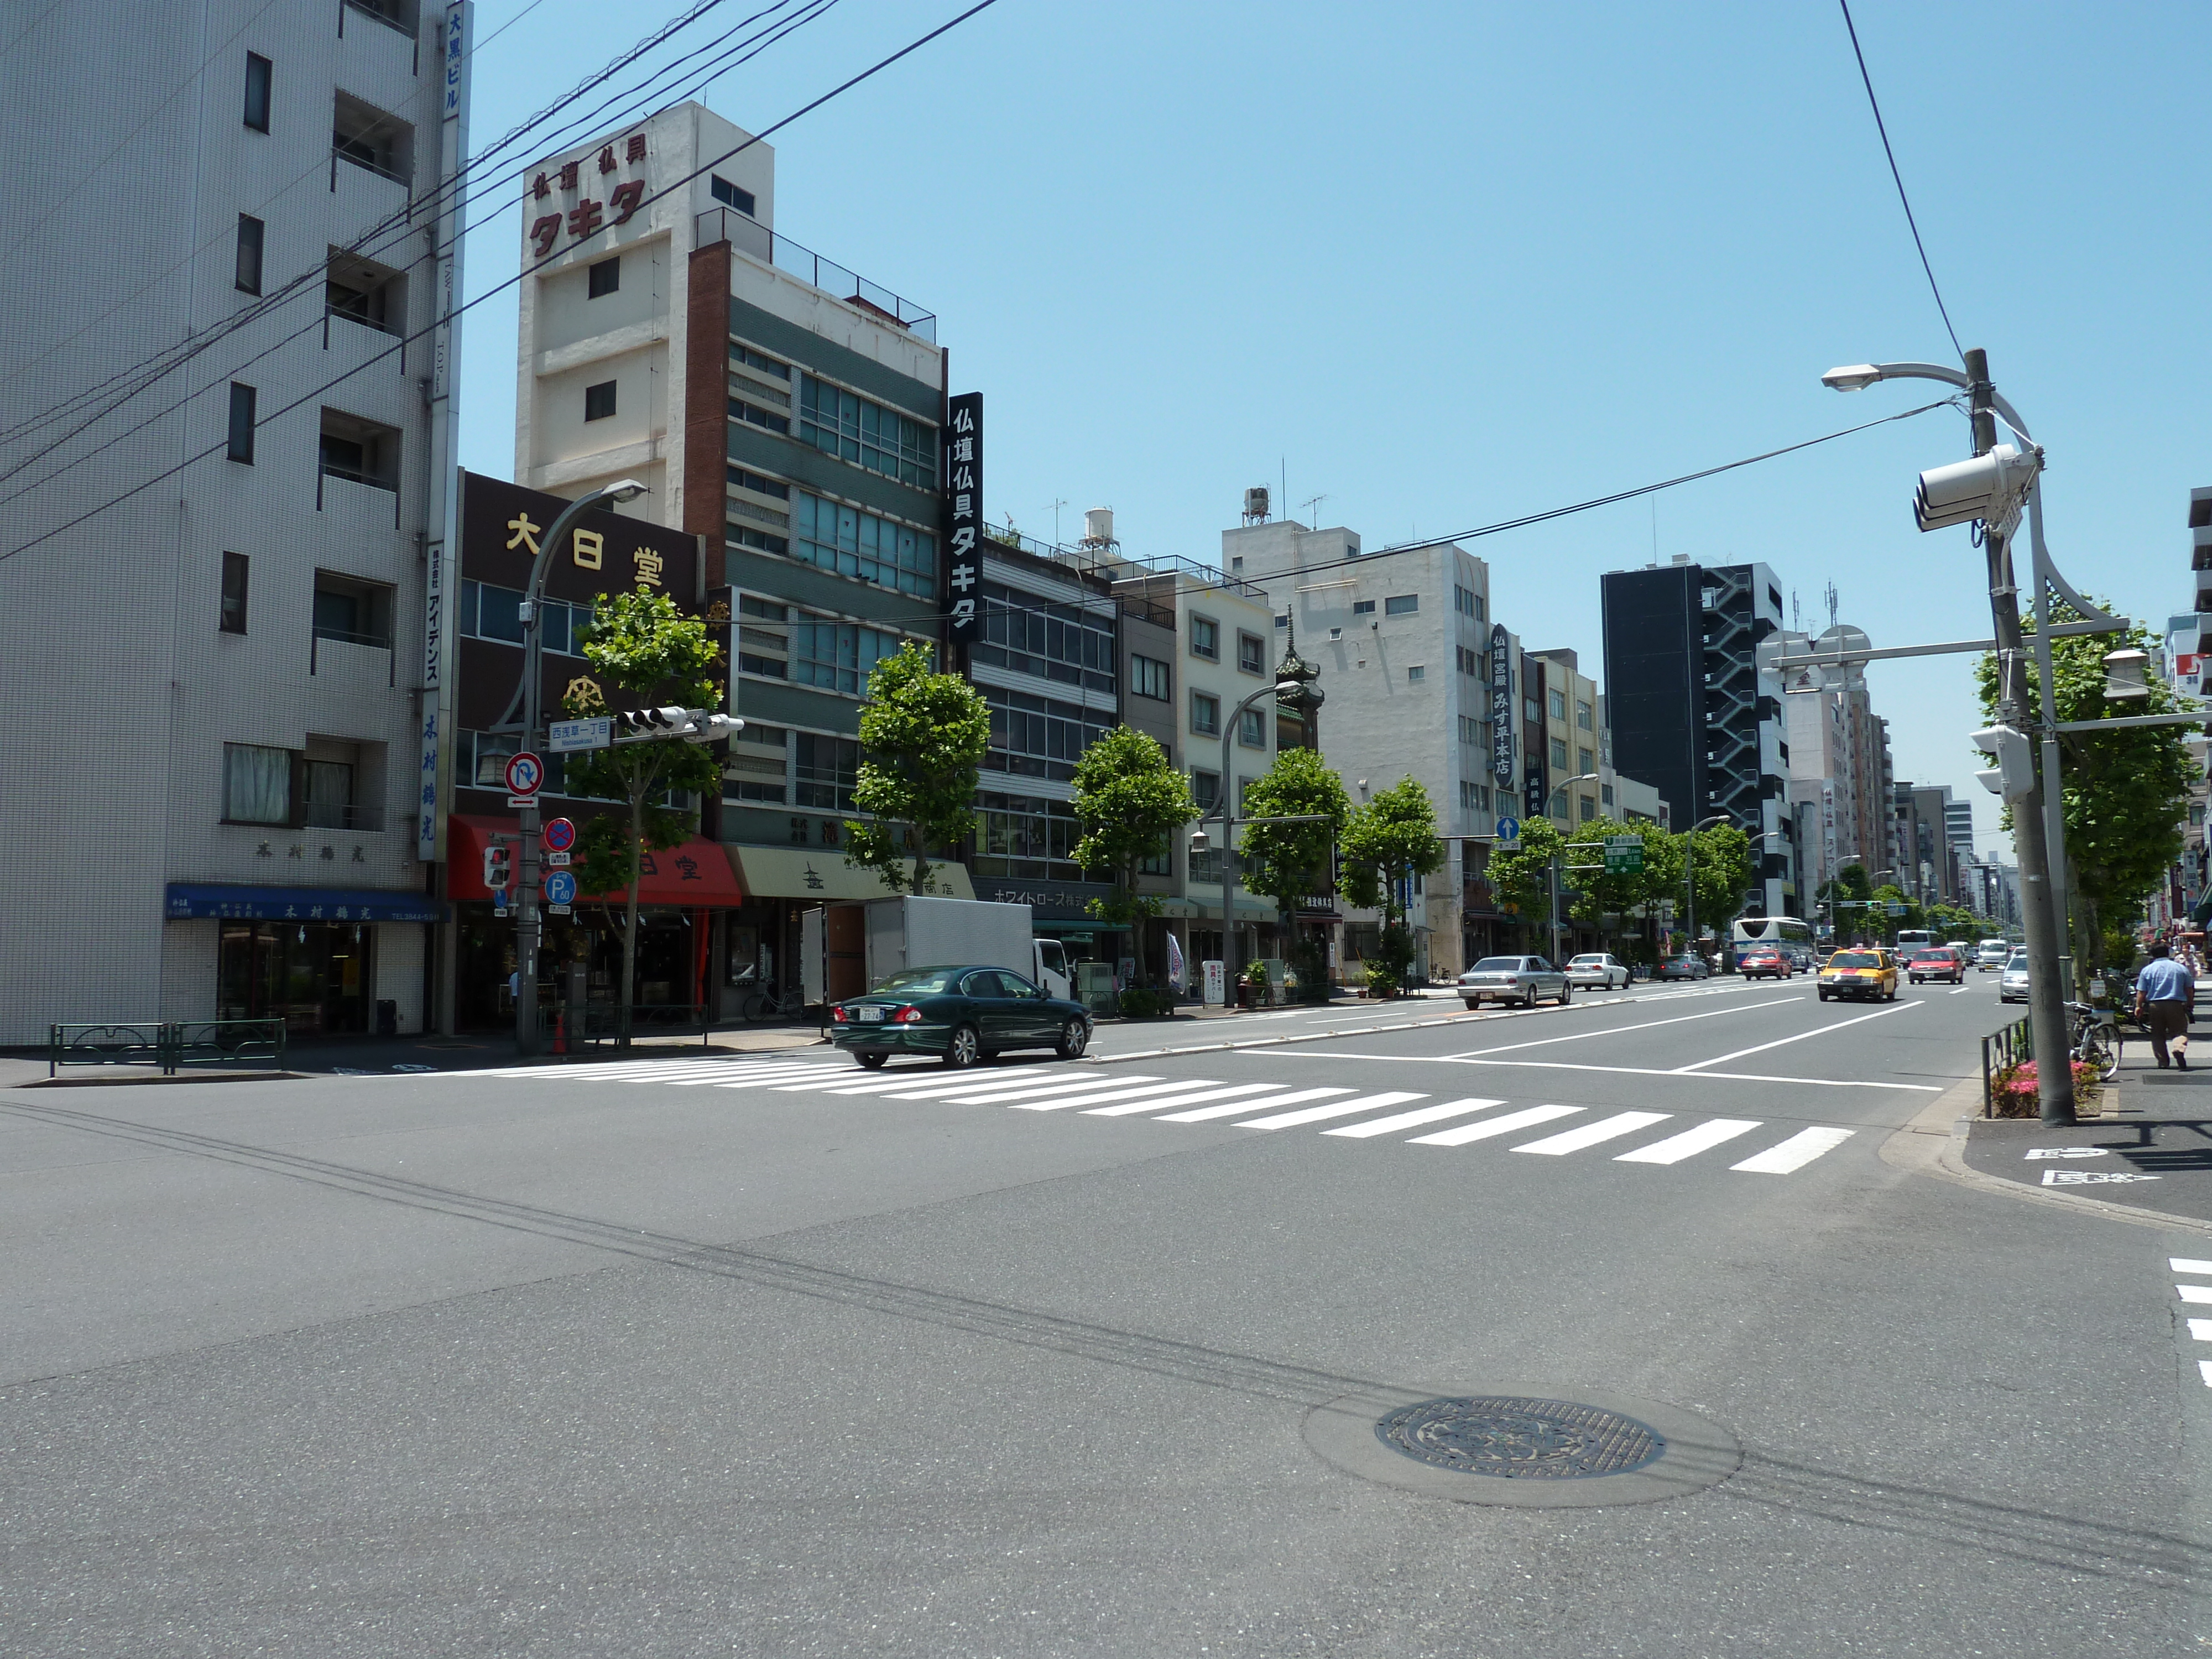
(500, 288)
(1910, 223)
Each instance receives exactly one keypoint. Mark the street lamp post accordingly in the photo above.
(1565, 784)
(1690, 869)
(528, 927)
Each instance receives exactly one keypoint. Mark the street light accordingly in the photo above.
(2004, 482)
(1293, 683)
(527, 925)
(1565, 784)
(1689, 867)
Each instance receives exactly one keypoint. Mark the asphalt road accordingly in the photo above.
(776, 1357)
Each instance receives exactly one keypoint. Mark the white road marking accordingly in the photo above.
(1204, 1113)
(1384, 1125)
(971, 1084)
(1627, 1071)
(888, 1082)
(767, 1074)
(1784, 1042)
(2196, 1295)
(1592, 1135)
(1619, 1031)
(2182, 1264)
(1335, 1108)
(1527, 1119)
(2204, 1371)
(985, 1090)
(1691, 1142)
(1090, 1093)
(2200, 1330)
(2092, 1178)
(1961, 992)
(1796, 1152)
(1190, 1095)
(2035, 1153)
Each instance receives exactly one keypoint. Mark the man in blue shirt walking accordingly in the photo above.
(2164, 992)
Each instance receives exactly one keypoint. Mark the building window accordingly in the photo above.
(257, 72)
(241, 422)
(605, 277)
(1148, 677)
(234, 594)
(1052, 642)
(827, 770)
(1589, 808)
(1608, 792)
(1417, 673)
(1463, 601)
(837, 656)
(1205, 714)
(248, 277)
(745, 356)
(257, 784)
(1470, 729)
(754, 769)
(759, 485)
(1251, 653)
(1026, 836)
(355, 612)
(1559, 753)
(1282, 620)
(1583, 716)
(1252, 729)
(1038, 737)
(599, 401)
(372, 295)
(730, 195)
(1474, 797)
(863, 546)
(361, 451)
(841, 423)
(370, 139)
(1557, 702)
(1470, 660)
(1206, 638)
(1401, 604)
(1585, 761)
(496, 613)
(1363, 607)
(754, 415)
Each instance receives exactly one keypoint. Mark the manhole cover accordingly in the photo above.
(1520, 1439)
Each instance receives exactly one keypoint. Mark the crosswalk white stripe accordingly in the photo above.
(1384, 1125)
(984, 1090)
(1593, 1134)
(769, 1074)
(657, 1071)
(1164, 1094)
(2200, 1330)
(1204, 1113)
(2204, 1371)
(2196, 1294)
(969, 1085)
(1691, 1142)
(1096, 1089)
(1334, 1108)
(2182, 1264)
(1130, 1109)
(1796, 1152)
(910, 1088)
(1496, 1126)
(1184, 1096)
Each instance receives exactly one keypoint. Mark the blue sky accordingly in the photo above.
(1447, 264)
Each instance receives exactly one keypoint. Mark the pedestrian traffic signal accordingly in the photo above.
(498, 867)
(2012, 777)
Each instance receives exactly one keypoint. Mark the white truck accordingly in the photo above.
(846, 949)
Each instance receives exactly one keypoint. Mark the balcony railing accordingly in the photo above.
(333, 815)
(749, 236)
(1120, 566)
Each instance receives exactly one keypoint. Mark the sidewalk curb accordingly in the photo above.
(1931, 1145)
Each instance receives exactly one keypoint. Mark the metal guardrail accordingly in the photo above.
(2002, 1050)
(166, 1043)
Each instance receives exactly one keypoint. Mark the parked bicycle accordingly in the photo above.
(2096, 1039)
(765, 1000)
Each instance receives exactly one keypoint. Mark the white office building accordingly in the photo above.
(223, 445)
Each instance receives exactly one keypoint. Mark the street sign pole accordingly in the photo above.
(526, 772)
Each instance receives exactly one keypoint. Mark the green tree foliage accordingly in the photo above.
(1722, 872)
(1597, 898)
(1286, 861)
(1523, 874)
(642, 647)
(1391, 837)
(1130, 800)
(2125, 793)
(923, 735)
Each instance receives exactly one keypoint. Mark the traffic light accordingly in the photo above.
(690, 725)
(2012, 777)
(498, 867)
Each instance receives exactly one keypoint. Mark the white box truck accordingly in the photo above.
(847, 950)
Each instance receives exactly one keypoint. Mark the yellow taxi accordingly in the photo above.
(1871, 973)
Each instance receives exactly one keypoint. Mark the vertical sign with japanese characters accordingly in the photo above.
(963, 513)
(1501, 708)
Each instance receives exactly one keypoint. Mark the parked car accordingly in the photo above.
(1944, 963)
(1869, 973)
(2012, 983)
(1991, 954)
(1597, 970)
(1683, 967)
(1765, 962)
(1513, 979)
(960, 1014)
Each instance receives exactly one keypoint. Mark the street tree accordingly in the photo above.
(1287, 862)
(1882, 923)
(1722, 870)
(2125, 793)
(923, 736)
(1596, 897)
(1129, 801)
(643, 647)
(1388, 842)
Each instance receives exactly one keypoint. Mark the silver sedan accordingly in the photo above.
(1513, 979)
(1597, 970)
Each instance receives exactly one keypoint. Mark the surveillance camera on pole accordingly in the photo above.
(1990, 488)
(2012, 777)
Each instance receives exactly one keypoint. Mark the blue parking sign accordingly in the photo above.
(560, 887)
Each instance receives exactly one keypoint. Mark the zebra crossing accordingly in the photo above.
(1087, 1091)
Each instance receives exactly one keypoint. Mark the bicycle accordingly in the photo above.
(765, 1001)
(2096, 1040)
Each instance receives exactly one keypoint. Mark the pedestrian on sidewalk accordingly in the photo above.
(2164, 992)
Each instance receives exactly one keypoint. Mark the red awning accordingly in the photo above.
(695, 874)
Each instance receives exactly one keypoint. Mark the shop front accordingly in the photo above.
(760, 945)
(306, 955)
(685, 897)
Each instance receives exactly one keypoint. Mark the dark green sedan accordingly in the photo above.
(960, 1015)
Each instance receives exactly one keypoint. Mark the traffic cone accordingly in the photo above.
(559, 1033)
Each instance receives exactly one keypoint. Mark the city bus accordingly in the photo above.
(1793, 936)
(1910, 939)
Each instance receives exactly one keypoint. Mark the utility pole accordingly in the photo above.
(2046, 996)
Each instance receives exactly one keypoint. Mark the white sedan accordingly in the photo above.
(1513, 979)
(1597, 970)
